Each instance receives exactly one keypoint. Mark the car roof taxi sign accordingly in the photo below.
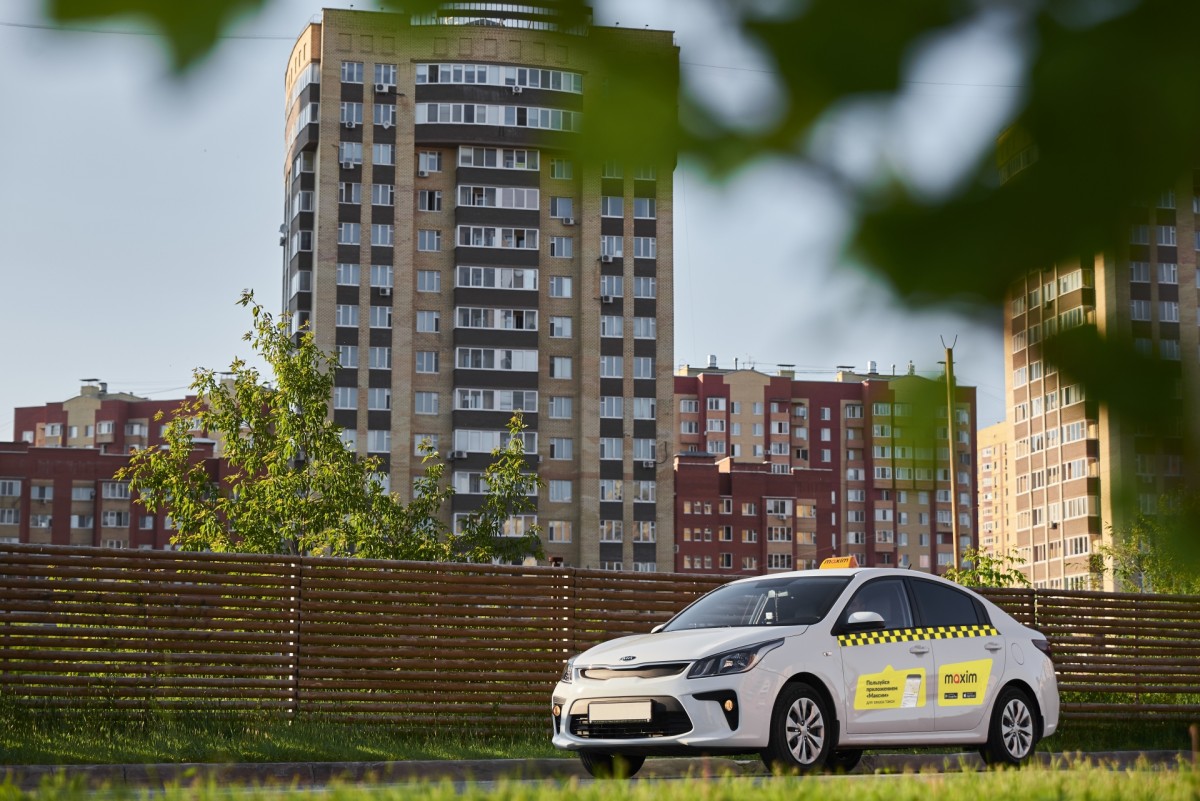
(834, 562)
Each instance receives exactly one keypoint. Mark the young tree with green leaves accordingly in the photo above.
(289, 484)
(982, 569)
(1139, 560)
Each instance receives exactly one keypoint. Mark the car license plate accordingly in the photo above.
(618, 711)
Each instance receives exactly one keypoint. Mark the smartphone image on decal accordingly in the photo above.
(912, 689)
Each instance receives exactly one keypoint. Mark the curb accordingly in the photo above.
(319, 774)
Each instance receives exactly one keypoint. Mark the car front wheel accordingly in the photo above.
(1013, 730)
(801, 731)
(610, 766)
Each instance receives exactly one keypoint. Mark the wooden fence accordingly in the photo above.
(426, 644)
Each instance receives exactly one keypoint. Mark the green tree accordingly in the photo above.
(287, 483)
(981, 569)
(1138, 560)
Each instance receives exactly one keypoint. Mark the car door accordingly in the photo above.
(886, 671)
(968, 651)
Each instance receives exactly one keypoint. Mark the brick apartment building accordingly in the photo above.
(444, 238)
(775, 473)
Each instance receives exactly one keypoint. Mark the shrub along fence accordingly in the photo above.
(427, 644)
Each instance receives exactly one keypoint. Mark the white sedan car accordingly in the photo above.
(810, 668)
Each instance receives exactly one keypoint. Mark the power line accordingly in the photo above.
(118, 32)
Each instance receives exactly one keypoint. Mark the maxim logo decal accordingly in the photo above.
(961, 678)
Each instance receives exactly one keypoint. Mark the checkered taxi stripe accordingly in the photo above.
(908, 635)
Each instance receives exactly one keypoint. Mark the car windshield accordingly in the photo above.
(794, 601)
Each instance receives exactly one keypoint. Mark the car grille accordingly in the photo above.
(667, 720)
(642, 672)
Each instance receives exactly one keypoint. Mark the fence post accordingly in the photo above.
(297, 602)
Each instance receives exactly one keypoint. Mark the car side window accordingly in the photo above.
(886, 597)
(945, 606)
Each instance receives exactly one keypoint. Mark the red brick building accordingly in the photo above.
(773, 473)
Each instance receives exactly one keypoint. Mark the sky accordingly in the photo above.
(135, 207)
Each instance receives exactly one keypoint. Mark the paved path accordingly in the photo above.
(316, 774)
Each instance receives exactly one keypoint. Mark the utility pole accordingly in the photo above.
(952, 471)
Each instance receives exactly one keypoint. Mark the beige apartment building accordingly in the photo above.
(1077, 470)
(447, 239)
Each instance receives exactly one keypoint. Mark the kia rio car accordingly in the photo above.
(810, 668)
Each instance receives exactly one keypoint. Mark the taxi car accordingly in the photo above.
(808, 669)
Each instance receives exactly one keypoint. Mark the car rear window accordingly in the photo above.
(940, 605)
(795, 601)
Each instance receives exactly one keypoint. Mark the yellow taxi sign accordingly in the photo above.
(835, 562)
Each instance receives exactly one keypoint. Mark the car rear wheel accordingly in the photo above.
(801, 731)
(610, 766)
(1012, 733)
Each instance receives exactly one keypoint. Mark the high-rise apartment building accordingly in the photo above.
(995, 488)
(448, 240)
(1078, 470)
(778, 473)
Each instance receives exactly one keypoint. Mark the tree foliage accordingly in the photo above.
(1138, 559)
(981, 569)
(286, 483)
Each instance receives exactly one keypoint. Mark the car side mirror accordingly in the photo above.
(657, 628)
(864, 621)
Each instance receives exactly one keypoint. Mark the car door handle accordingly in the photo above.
(993, 646)
(919, 649)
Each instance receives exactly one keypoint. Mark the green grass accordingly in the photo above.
(51, 737)
(1079, 784)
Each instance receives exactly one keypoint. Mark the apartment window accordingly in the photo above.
(560, 326)
(114, 519)
(380, 358)
(612, 531)
(611, 489)
(350, 154)
(348, 356)
(1139, 272)
(349, 192)
(352, 72)
(643, 367)
(612, 169)
(612, 366)
(346, 315)
(383, 154)
(612, 206)
(612, 406)
(689, 427)
(561, 169)
(380, 317)
(612, 246)
(611, 448)
(560, 286)
(379, 441)
(1168, 311)
(1165, 235)
(645, 286)
(347, 275)
(644, 408)
(429, 281)
(643, 208)
(560, 407)
(385, 74)
(385, 115)
(562, 448)
(779, 561)
(429, 161)
(560, 490)
(379, 399)
(689, 405)
(562, 247)
(425, 402)
(562, 207)
(645, 328)
(426, 440)
(1169, 349)
(382, 235)
(1139, 309)
(645, 247)
(612, 286)
(645, 491)
(612, 325)
(348, 233)
(560, 367)
(426, 361)
(345, 397)
(351, 114)
(429, 240)
(1168, 273)
(428, 322)
(558, 531)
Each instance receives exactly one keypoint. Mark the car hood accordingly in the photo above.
(679, 646)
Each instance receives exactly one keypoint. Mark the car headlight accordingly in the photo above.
(568, 671)
(731, 662)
